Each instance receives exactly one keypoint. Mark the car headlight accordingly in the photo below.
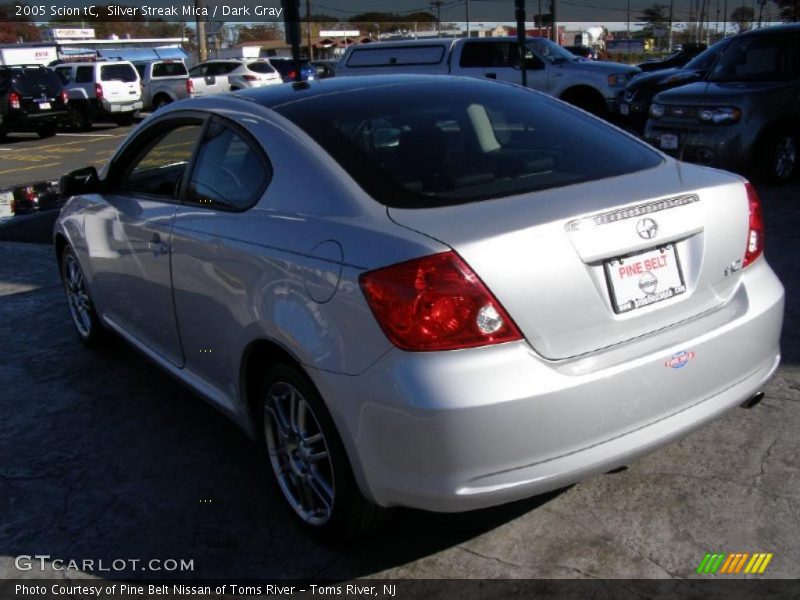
(656, 110)
(619, 79)
(720, 115)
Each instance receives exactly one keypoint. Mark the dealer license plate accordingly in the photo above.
(669, 141)
(644, 278)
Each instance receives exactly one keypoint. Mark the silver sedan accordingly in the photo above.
(431, 292)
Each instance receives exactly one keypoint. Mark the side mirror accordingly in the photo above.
(82, 181)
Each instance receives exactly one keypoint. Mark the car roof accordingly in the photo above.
(272, 96)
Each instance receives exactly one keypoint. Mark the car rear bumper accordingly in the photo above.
(455, 431)
(32, 121)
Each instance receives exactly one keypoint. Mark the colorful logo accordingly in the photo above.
(679, 359)
(733, 564)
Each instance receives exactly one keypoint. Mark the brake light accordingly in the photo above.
(64, 96)
(755, 231)
(98, 91)
(249, 77)
(189, 86)
(436, 303)
(14, 101)
(292, 75)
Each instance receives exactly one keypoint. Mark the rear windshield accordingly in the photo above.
(402, 55)
(757, 58)
(433, 144)
(30, 80)
(171, 69)
(121, 72)
(261, 67)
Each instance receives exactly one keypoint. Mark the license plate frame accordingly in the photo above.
(45, 106)
(624, 274)
(668, 141)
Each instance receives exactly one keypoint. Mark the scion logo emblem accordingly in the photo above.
(647, 229)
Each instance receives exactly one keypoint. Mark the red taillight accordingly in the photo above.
(98, 91)
(436, 303)
(14, 100)
(755, 232)
(189, 86)
(292, 75)
(249, 77)
(64, 96)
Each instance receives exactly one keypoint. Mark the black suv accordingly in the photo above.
(32, 98)
(745, 116)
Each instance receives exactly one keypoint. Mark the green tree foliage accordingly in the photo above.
(789, 10)
(14, 29)
(742, 18)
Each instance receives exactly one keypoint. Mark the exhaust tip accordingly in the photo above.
(755, 399)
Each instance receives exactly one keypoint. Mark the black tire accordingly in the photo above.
(81, 119)
(47, 131)
(349, 515)
(87, 324)
(161, 102)
(778, 156)
(125, 119)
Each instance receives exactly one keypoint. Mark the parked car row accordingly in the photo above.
(734, 106)
(39, 99)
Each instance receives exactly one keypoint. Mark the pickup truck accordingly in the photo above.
(163, 81)
(593, 86)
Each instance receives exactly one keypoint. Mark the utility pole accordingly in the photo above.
(519, 13)
(629, 21)
(725, 19)
(202, 42)
(467, 18)
(554, 10)
(308, 30)
(669, 31)
(291, 22)
(437, 4)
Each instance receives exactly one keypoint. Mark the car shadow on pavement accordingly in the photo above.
(112, 459)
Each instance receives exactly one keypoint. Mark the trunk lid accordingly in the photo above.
(552, 258)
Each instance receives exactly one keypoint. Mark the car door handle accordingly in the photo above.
(157, 246)
(491, 75)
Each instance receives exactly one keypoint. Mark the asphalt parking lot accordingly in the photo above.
(106, 457)
(24, 158)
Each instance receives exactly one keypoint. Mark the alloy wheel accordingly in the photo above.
(785, 157)
(299, 453)
(80, 306)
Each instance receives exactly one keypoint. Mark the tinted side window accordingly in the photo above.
(121, 72)
(175, 69)
(261, 67)
(84, 74)
(221, 68)
(476, 55)
(230, 172)
(159, 166)
(408, 55)
(198, 71)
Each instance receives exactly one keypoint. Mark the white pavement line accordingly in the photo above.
(85, 135)
(7, 149)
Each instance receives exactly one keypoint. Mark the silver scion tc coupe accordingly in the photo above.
(432, 292)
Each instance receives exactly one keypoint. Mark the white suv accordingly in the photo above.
(101, 91)
(215, 76)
